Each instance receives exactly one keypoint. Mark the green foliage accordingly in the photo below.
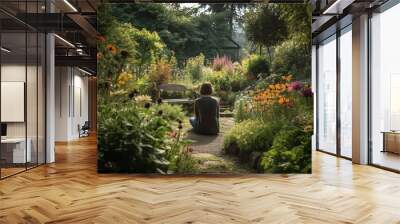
(149, 48)
(128, 142)
(242, 109)
(290, 152)
(265, 27)
(292, 57)
(172, 113)
(185, 31)
(250, 135)
(160, 72)
(194, 67)
(257, 66)
(134, 139)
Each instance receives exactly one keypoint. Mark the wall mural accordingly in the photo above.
(204, 88)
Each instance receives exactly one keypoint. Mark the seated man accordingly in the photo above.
(206, 109)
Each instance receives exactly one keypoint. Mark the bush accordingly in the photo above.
(194, 68)
(129, 143)
(160, 72)
(222, 63)
(292, 57)
(242, 109)
(170, 112)
(250, 135)
(135, 139)
(257, 66)
(290, 152)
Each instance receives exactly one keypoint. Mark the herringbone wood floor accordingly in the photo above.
(70, 191)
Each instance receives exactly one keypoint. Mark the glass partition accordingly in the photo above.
(346, 92)
(327, 95)
(385, 89)
(22, 92)
(13, 95)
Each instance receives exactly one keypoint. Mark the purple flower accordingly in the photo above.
(295, 86)
(307, 92)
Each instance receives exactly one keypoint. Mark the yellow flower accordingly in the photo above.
(143, 99)
(123, 78)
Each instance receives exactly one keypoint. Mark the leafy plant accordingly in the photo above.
(129, 142)
(194, 67)
(250, 135)
(290, 152)
(257, 66)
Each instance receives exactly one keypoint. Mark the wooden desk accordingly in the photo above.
(391, 141)
(13, 150)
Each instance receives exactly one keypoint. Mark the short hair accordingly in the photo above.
(206, 89)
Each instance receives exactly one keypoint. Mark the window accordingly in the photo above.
(346, 92)
(327, 95)
(385, 88)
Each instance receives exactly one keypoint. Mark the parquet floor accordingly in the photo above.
(70, 191)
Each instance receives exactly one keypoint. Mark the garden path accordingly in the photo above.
(207, 150)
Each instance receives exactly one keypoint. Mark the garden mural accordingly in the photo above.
(153, 60)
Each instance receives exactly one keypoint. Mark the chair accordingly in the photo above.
(84, 130)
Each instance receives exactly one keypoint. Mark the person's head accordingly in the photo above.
(206, 89)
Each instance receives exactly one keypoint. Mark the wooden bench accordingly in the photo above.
(175, 88)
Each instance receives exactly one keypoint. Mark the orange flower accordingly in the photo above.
(99, 55)
(287, 78)
(112, 49)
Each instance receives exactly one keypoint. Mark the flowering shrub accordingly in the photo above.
(223, 63)
(276, 120)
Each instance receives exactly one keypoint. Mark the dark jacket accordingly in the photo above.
(207, 115)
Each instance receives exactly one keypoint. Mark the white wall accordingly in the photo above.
(71, 102)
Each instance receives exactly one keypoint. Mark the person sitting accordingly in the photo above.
(206, 110)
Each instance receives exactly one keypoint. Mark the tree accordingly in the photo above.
(264, 27)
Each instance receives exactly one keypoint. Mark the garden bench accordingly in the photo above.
(175, 88)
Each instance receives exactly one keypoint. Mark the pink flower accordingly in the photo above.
(295, 86)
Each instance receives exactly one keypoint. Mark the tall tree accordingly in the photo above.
(265, 28)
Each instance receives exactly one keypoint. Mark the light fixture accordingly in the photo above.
(70, 5)
(5, 50)
(65, 41)
(84, 71)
